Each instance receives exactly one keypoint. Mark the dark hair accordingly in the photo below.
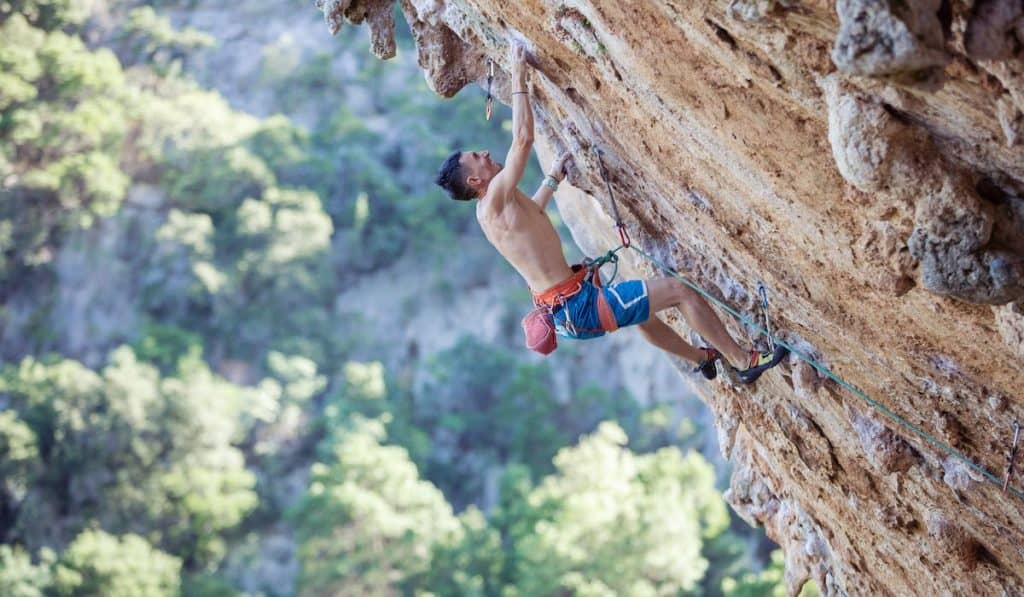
(450, 179)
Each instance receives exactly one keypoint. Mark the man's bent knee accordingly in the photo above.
(668, 292)
(687, 295)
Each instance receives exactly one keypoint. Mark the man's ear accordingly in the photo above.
(473, 182)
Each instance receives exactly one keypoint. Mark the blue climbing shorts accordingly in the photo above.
(577, 318)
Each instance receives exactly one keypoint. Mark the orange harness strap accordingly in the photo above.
(604, 310)
(559, 293)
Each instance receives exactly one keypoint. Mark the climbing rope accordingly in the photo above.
(818, 366)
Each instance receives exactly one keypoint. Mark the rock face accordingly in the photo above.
(862, 159)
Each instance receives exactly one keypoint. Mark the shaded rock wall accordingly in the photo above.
(862, 158)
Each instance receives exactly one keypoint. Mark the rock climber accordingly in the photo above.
(520, 230)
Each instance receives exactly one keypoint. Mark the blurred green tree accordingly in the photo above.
(127, 449)
(368, 523)
(20, 577)
(102, 565)
(618, 523)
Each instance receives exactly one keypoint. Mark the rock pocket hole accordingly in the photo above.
(945, 16)
(721, 33)
(990, 191)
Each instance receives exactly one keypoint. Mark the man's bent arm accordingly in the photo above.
(543, 195)
(551, 180)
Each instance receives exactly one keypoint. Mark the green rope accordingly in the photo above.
(609, 257)
(825, 371)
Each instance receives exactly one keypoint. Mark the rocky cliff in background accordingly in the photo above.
(865, 160)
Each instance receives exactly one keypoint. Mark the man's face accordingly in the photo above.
(479, 165)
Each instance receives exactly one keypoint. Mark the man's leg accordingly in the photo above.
(659, 334)
(669, 292)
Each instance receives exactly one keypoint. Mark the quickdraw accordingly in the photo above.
(1013, 455)
(761, 292)
(490, 84)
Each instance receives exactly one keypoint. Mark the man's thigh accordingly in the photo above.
(665, 293)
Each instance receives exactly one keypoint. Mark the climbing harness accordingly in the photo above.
(623, 235)
(1013, 455)
(539, 325)
(764, 311)
(538, 321)
(490, 84)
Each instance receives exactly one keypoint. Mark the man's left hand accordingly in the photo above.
(558, 166)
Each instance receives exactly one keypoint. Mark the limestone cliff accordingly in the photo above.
(865, 160)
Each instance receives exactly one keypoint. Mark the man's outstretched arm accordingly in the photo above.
(522, 126)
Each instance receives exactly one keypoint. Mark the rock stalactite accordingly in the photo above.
(862, 159)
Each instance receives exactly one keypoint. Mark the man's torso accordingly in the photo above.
(524, 236)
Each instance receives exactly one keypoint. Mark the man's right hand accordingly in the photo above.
(517, 56)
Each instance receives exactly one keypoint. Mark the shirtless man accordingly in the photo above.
(521, 231)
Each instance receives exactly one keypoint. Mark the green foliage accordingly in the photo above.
(149, 38)
(272, 254)
(92, 181)
(296, 79)
(20, 577)
(217, 179)
(298, 375)
(485, 401)
(469, 563)
(94, 564)
(46, 14)
(620, 524)
(283, 228)
(63, 111)
(608, 522)
(97, 563)
(367, 523)
(19, 457)
(138, 452)
(286, 147)
(207, 585)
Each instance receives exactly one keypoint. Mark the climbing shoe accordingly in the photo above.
(707, 365)
(761, 362)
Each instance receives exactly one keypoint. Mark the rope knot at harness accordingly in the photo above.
(594, 265)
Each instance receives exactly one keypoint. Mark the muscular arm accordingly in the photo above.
(522, 130)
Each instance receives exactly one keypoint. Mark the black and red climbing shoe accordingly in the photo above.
(761, 362)
(707, 365)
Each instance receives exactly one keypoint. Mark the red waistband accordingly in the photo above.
(557, 294)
